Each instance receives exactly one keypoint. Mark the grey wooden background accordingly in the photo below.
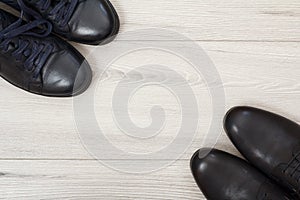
(255, 46)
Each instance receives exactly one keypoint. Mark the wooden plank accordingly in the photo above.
(29, 179)
(258, 74)
(215, 20)
(236, 20)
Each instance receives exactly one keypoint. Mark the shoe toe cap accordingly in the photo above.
(264, 138)
(65, 76)
(198, 161)
(94, 22)
(237, 121)
(220, 175)
(205, 165)
(246, 128)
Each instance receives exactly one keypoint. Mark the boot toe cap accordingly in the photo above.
(94, 22)
(64, 78)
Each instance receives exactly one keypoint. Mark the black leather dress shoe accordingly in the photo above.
(85, 21)
(268, 141)
(222, 176)
(40, 63)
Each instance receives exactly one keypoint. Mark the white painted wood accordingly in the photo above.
(89, 180)
(254, 20)
(35, 128)
(262, 74)
(235, 20)
(255, 48)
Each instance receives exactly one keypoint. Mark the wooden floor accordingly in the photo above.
(255, 46)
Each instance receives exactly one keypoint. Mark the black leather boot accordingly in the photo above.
(222, 176)
(268, 141)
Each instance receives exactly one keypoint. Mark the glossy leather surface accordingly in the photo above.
(65, 72)
(222, 176)
(268, 141)
(92, 21)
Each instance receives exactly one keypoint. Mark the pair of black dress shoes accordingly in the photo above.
(34, 59)
(271, 144)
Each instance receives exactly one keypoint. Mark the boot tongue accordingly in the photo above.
(37, 3)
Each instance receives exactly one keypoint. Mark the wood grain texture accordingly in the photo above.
(90, 180)
(255, 47)
(259, 20)
(37, 127)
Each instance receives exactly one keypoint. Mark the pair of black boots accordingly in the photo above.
(271, 144)
(34, 59)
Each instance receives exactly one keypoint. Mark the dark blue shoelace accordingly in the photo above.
(60, 11)
(32, 53)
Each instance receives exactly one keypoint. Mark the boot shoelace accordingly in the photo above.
(34, 52)
(58, 10)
